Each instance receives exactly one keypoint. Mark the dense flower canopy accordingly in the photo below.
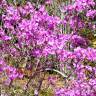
(27, 32)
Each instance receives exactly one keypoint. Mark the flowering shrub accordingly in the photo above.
(33, 40)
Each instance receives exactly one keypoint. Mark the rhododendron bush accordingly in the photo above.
(32, 40)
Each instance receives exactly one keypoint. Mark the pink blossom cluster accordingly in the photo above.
(88, 53)
(33, 33)
(78, 88)
(77, 14)
(9, 71)
(91, 13)
(80, 12)
(81, 5)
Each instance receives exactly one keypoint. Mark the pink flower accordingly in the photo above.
(7, 38)
(91, 13)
